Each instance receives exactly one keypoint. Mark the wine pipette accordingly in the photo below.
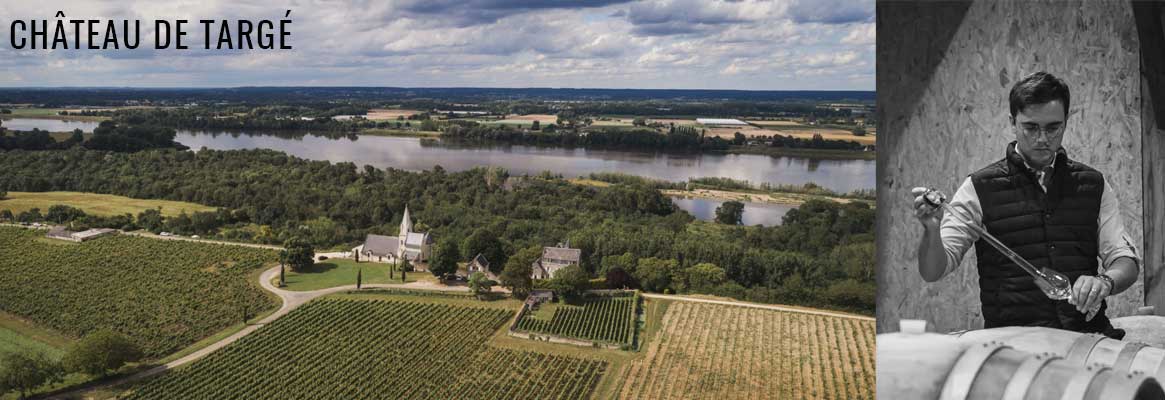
(1054, 284)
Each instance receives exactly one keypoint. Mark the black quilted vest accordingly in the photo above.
(1057, 230)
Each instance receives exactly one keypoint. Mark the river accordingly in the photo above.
(417, 154)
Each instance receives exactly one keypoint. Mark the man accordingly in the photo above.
(1055, 212)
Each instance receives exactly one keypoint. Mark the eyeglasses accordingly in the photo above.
(1048, 131)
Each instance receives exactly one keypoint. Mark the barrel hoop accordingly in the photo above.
(1025, 375)
(1124, 360)
(1077, 386)
(1126, 385)
(1082, 348)
(962, 376)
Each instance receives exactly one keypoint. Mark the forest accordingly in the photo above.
(822, 254)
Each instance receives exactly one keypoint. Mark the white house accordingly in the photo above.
(417, 247)
(480, 264)
(554, 259)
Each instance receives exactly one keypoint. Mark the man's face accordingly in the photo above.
(1039, 130)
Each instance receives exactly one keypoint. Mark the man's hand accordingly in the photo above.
(929, 215)
(1088, 292)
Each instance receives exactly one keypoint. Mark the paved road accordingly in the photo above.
(755, 305)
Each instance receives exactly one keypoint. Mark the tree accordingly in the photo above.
(738, 139)
(405, 265)
(60, 213)
(445, 258)
(625, 262)
(151, 220)
(859, 131)
(618, 278)
(479, 284)
(655, 274)
(483, 241)
(100, 352)
(730, 213)
(3, 194)
(701, 277)
(78, 137)
(570, 282)
(300, 254)
(516, 274)
(535, 125)
(359, 278)
(6, 215)
(24, 371)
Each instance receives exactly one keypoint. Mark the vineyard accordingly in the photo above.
(729, 352)
(162, 294)
(600, 319)
(378, 349)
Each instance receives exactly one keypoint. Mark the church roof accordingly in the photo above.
(417, 239)
(380, 245)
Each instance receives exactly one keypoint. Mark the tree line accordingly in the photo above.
(822, 254)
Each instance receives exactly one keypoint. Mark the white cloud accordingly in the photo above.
(748, 44)
(861, 34)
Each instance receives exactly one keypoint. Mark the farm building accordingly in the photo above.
(554, 259)
(540, 296)
(725, 122)
(415, 246)
(479, 264)
(60, 233)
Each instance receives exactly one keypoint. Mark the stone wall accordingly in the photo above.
(944, 70)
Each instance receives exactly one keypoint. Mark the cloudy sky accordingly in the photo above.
(661, 44)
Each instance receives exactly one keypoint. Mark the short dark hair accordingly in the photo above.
(1038, 88)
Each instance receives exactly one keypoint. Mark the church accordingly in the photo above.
(415, 246)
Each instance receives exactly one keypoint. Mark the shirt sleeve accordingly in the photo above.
(1113, 243)
(958, 234)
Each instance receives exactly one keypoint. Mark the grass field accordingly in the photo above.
(49, 113)
(378, 349)
(162, 294)
(339, 272)
(96, 204)
(600, 319)
(726, 352)
(18, 338)
(383, 114)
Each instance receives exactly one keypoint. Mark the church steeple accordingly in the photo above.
(406, 223)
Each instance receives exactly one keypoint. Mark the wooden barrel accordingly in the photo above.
(1079, 348)
(935, 366)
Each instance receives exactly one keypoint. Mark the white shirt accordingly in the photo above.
(958, 237)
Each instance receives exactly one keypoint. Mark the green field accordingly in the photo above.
(378, 349)
(162, 294)
(12, 341)
(95, 204)
(600, 319)
(341, 272)
(49, 113)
